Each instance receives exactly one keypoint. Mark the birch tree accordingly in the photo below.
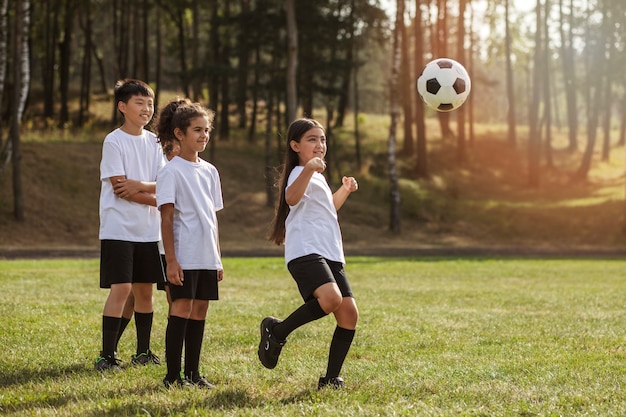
(21, 77)
(394, 194)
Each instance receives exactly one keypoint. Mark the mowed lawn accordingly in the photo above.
(437, 337)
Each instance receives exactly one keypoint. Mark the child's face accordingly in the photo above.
(138, 111)
(195, 138)
(311, 145)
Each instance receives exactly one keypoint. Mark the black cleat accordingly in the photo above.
(269, 347)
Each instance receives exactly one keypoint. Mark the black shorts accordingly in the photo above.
(312, 271)
(198, 284)
(129, 262)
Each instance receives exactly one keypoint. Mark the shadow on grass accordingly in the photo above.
(302, 395)
(228, 399)
(22, 376)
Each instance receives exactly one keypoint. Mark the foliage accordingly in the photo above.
(437, 337)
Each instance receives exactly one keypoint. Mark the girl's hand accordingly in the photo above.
(316, 164)
(175, 274)
(350, 184)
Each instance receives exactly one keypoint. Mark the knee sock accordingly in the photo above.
(110, 329)
(304, 314)
(193, 346)
(174, 338)
(339, 347)
(123, 323)
(143, 323)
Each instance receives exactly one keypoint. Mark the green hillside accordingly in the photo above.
(484, 203)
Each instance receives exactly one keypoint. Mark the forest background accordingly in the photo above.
(533, 161)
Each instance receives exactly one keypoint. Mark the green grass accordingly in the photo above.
(437, 337)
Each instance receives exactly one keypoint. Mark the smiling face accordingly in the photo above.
(194, 139)
(137, 111)
(311, 145)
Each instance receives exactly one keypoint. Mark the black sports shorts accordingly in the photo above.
(312, 271)
(129, 262)
(198, 284)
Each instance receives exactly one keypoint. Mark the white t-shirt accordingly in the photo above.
(195, 190)
(311, 226)
(136, 158)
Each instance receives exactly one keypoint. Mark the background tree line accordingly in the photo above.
(557, 65)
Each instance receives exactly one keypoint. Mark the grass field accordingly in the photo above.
(437, 337)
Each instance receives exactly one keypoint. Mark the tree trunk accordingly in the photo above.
(470, 68)
(51, 36)
(65, 48)
(394, 194)
(355, 112)
(622, 127)
(569, 74)
(510, 84)
(292, 60)
(421, 165)
(224, 127)
(213, 59)
(196, 85)
(182, 49)
(270, 197)
(534, 140)
(595, 70)
(86, 21)
(344, 91)
(407, 94)
(255, 94)
(145, 37)
(442, 51)
(547, 81)
(158, 59)
(607, 93)
(21, 77)
(244, 60)
(461, 150)
(4, 38)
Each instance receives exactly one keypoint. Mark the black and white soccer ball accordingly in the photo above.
(444, 84)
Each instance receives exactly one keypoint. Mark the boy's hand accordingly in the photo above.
(220, 274)
(350, 184)
(125, 188)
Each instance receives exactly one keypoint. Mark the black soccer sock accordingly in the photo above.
(110, 329)
(123, 323)
(193, 346)
(143, 323)
(339, 347)
(174, 338)
(307, 312)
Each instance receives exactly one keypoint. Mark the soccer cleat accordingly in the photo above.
(199, 381)
(269, 347)
(107, 363)
(334, 382)
(176, 383)
(145, 358)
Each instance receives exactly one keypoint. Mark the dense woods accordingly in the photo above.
(544, 65)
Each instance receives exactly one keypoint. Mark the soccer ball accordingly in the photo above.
(444, 84)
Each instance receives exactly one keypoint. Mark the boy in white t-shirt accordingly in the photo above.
(189, 194)
(129, 223)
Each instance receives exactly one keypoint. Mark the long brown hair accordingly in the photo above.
(296, 130)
